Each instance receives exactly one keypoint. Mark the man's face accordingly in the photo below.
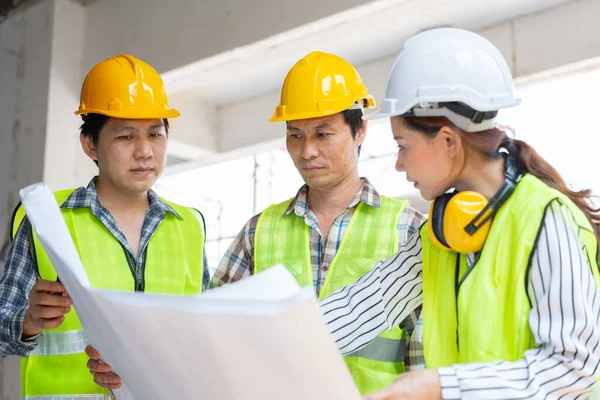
(323, 149)
(131, 153)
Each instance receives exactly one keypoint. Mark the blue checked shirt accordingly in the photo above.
(20, 270)
(238, 261)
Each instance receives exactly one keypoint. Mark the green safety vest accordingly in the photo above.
(56, 369)
(487, 320)
(371, 236)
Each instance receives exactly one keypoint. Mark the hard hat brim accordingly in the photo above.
(308, 115)
(276, 117)
(131, 114)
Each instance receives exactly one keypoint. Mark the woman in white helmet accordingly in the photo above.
(507, 265)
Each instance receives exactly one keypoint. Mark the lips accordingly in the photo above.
(142, 171)
(310, 169)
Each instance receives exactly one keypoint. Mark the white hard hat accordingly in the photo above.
(452, 73)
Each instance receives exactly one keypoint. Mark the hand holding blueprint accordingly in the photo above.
(262, 338)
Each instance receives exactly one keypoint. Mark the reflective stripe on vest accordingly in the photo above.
(384, 350)
(173, 265)
(371, 236)
(57, 343)
(495, 287)
(72, 397)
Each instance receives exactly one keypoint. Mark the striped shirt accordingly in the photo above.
(21, 273)
(564, 319)
(238, 261)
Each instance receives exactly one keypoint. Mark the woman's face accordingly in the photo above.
(427, 160)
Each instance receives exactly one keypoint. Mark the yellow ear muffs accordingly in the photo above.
(450, 214)
(436, 220)
(461, 221)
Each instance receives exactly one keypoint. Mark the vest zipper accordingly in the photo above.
(142, 277)
(139, 284)
(456, 289)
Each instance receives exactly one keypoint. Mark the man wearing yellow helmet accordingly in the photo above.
(336, 219)
(127, 236)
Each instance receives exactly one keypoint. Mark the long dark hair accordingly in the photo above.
(489, 141)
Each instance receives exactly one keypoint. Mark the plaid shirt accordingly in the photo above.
(21, 273)
(238, 261)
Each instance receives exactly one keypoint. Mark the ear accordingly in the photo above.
(361, 134)
(451, 141)
(88, 146)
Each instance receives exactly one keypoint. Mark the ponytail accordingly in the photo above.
(530, 161)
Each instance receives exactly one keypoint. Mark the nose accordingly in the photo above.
(399, 164)
(143, 148)
(309, 149)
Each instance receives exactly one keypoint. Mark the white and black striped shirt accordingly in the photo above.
(564, 319)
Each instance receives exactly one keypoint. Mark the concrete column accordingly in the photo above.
(25, 43)
(40, 60)
(65, 164)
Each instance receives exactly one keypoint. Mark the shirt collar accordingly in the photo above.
(87, 197)
(367, 194)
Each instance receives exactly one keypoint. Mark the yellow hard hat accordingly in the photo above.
(320, 84)
(125, 87)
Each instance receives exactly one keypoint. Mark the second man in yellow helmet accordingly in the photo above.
(337, 226)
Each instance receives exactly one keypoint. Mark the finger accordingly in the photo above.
(107, 380)
(48, 286)
(49, 323)
(98, 366)
(108, 385)
(46, 299)
(92, 352)
(49, 312)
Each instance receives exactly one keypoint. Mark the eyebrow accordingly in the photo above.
(134, 129)
(398, 137)
(321, 126)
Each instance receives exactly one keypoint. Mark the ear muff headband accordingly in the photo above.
(512, 176)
